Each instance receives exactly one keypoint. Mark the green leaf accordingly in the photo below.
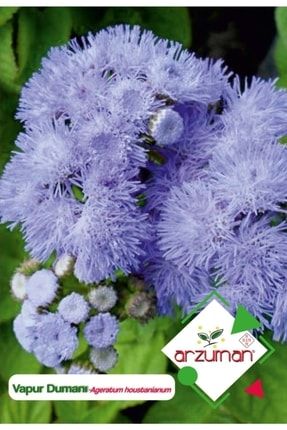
(281, 23)
(11, 255)
(83, 346)
(102, 412)
(78, 193)
(139, 347)
(71, 412)
(215, 334)
(39, 30)
(8, 67)
(250, 409)
(99, 412)
(15, 359)
(168, 22)
(280, 56)
(172, 23)
(6, 13)
(185, 407)
(122, 15)
(203, 336)
(24, 412)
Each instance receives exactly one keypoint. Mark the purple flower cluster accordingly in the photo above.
(218, 204)
(141, 157)
(74, 184)
(52, 335)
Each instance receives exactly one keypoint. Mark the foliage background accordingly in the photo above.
(252, 41)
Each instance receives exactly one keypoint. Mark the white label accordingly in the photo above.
(91, 387)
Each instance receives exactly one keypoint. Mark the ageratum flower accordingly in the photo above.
(73, 308)
(231, 235)
(47, 336)
(55, 340)
(174, 286)
(133, 65)
(23, 333)
(193, 226)
(167, 127)
(102, 330)
(73, 184)
(255, 255)
(42, 287)
(258, 110)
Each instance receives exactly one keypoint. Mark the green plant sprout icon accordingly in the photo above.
(209, 337)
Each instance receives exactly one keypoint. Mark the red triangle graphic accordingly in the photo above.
(255, 389)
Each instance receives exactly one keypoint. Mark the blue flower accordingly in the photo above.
(257, 110)
(166, 127)
(174, 286)
(101, 331)
(55, 340)
(193, 226)
(255, 254)
(47, 335)
(279, 317)
(73, 308)
(23, 334)
(42, 287)
(75, 80)
(248, 176)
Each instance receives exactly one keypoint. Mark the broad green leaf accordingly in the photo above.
(203, 336)
(87, 412)
(215, 334)
(270, 409)
(9, 128)
(172, 23)
(281, 23)
(102, 412)
(6, 13)
(168, 22)
(8, 67)
(141, 354)
(71, 412)
(14, 360)
(83, 346)
(280, 56)
(122, 15)
(39, 30)
(24, 412)
(11, 255)
(185, 407)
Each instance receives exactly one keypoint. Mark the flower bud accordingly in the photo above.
(64, 265)
(18, 286)
(29, 267)
(141, 306)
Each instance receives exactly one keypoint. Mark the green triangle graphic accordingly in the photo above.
(244, 321)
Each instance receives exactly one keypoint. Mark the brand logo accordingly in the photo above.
(216, 348)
